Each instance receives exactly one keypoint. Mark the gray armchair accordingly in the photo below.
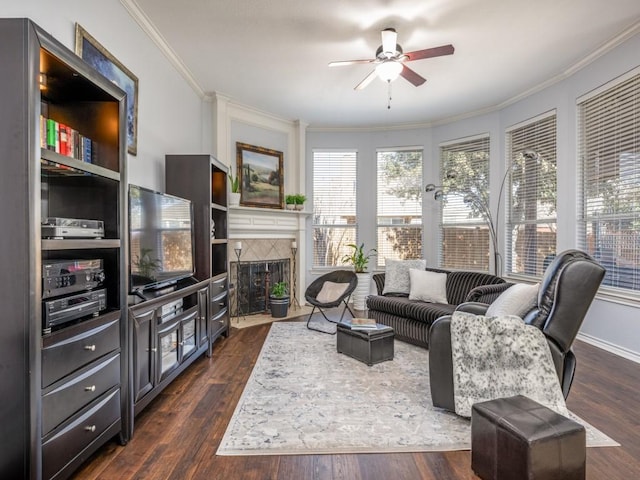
(566, 291)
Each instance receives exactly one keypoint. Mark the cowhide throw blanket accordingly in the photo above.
(496, 357)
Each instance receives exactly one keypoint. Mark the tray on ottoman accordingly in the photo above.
(369, 346)
(516, 437)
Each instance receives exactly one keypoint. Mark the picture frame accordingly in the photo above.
(261, 176)
(93, 53)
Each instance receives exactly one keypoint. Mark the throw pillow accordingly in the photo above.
(516, 300)
(396, 275)
(428, 286)
(331, 291)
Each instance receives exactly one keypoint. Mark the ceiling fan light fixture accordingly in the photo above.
(389, 70)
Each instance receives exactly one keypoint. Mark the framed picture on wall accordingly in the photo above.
(261, 176)
(110, 67)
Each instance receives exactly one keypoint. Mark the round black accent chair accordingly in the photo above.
(316, 294)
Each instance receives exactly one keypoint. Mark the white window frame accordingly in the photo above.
(418, 225)
(347, 226)
(619, 269)
(516, 160)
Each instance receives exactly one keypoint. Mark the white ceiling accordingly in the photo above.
(273, 54)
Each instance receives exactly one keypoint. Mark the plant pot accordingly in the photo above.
(279, 306)
(362, 290)
(291, 206)
(234, 199)
(299, 207)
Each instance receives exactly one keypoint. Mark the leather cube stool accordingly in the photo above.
(517, 438)
(368, 346)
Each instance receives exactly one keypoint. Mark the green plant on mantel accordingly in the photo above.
(279, 290)
(290, 199)
(234, 181)
(299, 199)
(358, 258)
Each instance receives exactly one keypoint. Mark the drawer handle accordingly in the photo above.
(152, 350)
(92, 388)
(90, 428)
(90, 348)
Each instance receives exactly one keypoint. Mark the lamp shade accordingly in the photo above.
(388, 70)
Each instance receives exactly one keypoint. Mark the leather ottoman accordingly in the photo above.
(517, 438)
(368, 346)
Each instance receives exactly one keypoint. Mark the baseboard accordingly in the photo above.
(609, 347)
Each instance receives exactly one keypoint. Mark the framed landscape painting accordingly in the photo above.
(106, 64)
(261, 176)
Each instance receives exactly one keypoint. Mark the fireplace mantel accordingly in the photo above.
(252, 222)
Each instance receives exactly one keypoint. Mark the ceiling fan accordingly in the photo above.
(390, 60)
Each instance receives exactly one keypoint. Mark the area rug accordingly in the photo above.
(305, 398)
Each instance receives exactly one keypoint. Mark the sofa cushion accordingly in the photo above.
(397, 275)
(516, 300)
(413, 309)
(428, 286)
(459, 284)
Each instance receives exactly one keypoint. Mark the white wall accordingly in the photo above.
(170, 112)
(610, 323)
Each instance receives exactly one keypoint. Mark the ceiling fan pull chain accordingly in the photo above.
(389, 87)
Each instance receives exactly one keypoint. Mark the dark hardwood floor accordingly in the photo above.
(176, 437)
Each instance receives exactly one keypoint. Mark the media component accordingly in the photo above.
(60, 277)
(66, 309)
(58, 228)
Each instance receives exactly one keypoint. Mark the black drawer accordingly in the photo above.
(219, 303)
(218, 286)
(219, 322)
(80, 390)
(66, 442)
(63, 357)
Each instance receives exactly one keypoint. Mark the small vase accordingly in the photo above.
(299, 207)
(291, 206)
(361, 292)
(234, 199)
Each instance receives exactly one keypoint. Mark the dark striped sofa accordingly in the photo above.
(411, 319)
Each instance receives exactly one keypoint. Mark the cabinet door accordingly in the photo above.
(203, 316)
(168, 352)
(143, 353)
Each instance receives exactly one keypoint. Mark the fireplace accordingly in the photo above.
(254, 280)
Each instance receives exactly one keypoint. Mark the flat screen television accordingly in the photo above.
(160, 239)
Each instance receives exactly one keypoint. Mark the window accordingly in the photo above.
(334, 206)
(609, 153)
(465, 235)
(399, 205)
(531, 197)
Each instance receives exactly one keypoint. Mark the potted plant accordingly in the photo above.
(290, 201)
(359, 260)
(299, 201)
(279, 300)
(234, 195)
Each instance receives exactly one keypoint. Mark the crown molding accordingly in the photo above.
(152, 32)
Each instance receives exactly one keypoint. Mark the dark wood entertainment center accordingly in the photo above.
(69, 388)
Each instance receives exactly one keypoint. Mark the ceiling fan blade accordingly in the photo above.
(429, 53)
(412, 76)
(367, 80)
(350, 62)
(389, 37)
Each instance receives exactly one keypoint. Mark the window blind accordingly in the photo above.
(465, 234)
(399, 205)
(532, 193)
(334, 206)
(609, 153)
